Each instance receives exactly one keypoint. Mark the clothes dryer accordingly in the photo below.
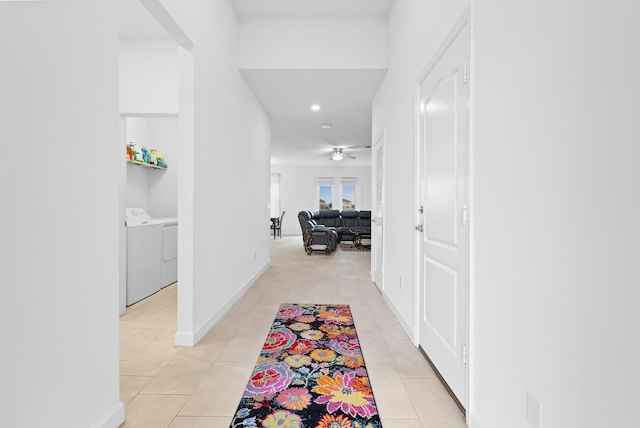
(152, 253)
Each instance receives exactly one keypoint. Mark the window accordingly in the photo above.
(348, 187)
(338, 192)
(326, 197)
(325, 193)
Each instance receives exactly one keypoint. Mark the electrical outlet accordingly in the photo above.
(400, 281)
(533, 410)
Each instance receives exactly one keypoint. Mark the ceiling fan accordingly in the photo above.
(337, 154)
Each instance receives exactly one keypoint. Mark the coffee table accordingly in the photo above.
(361, 238)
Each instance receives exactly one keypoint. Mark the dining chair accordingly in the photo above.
(278, 226)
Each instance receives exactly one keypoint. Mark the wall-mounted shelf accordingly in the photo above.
(145, 165)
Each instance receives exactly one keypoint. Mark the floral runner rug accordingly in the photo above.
(310, 374)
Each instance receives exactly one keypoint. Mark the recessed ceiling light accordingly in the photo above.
(325, 126)
(315, 107)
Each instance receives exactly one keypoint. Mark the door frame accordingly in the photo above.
(464, 20)
(378, 142)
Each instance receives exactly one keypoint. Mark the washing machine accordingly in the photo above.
(152, 253)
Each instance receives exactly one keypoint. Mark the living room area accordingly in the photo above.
(297, 188)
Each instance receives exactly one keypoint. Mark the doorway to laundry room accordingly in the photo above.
(151, 201)
(151, 70)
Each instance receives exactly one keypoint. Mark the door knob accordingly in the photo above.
(420, 227)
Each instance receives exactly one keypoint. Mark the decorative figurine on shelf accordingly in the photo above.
(138, 156)
(160, 159)
(130, 151)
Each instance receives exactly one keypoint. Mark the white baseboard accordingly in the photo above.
(113, 418)
(405, 326)
(474, 421)
(186, 338)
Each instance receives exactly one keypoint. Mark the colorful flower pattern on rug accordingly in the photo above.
(310, 374)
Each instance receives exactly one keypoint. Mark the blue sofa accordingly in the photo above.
(339, 223)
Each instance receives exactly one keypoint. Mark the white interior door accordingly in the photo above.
(442, 235)
(378, 220)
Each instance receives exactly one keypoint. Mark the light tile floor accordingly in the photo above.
(163, 385)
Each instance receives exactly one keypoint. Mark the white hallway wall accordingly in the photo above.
(227, 252)
(554, 234)
(556, 196)
(148, 75)
(59, 231)
(313, 43)
(298, 190)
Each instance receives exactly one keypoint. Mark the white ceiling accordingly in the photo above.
(312, 7)
(286, 95)
(345, 98)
